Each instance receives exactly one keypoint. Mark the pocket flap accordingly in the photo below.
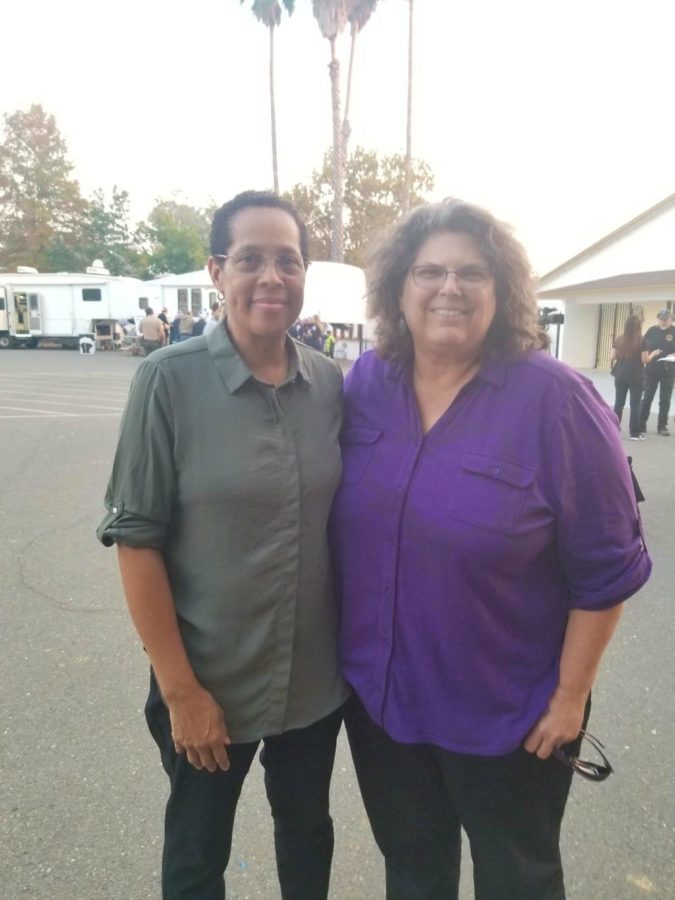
(500, 469)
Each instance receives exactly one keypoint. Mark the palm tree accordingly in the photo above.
(407, 190)
(358, 16)
(269, 13)
(331, 16)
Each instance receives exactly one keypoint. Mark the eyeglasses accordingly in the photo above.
(255, 263)
(593, 771)
(432, 277)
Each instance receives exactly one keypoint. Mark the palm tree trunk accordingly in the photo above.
(407, 190)
(275, 169)
(346, 127)
(337, 239)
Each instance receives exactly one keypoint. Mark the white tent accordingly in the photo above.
(335, 292)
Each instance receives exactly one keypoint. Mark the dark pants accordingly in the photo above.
(663, 377)
(150, 346)
(418, 797)
(622, 389)
(201, 808)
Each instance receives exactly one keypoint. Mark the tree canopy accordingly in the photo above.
(374, 199)
(40, 203)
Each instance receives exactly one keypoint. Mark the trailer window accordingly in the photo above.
(142, 302)
(33, 300)
(196, 300)
(2, 304)
(182, 300)
(91, 294)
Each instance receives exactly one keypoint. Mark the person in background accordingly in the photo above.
(227, 463)
(164, 318)
(198, 326)
(629, 356)
(185, 326)
(485, 537)
(329, 342)
(660, 342)
(312, 335)
(296, 330)
(152, 332)
(174, 333)
(214, 318)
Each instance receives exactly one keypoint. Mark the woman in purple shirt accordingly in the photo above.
(486, 536)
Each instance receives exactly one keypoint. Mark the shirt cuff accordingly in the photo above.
(122, 526)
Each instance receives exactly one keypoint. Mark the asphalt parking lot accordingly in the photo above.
(82, 787)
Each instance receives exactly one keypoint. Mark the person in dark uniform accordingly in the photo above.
(660, 341)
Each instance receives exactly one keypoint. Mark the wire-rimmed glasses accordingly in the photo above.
(432, 277)
(289, 264)
(593, 771)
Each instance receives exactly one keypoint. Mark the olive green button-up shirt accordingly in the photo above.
(233, 480)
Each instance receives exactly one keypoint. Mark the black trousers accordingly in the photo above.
(622, 389)
(665, 379)
(418, 798)
(201, 808)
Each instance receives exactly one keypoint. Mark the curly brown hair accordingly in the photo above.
(515, 328)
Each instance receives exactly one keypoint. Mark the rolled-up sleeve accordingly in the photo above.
(142, 486)
(599, 534)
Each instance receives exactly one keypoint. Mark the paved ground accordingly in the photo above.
(82, 789)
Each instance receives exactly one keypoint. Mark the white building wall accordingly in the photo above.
(580, 335)
(647, 247)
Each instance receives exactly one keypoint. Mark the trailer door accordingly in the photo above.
(34, 314)
(21, 313)
(4, 320)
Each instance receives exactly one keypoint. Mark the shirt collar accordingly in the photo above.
(234, 371)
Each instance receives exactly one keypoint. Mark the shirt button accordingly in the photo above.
(496, 470)
(114, 509)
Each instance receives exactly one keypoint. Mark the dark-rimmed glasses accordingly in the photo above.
(255, 263)
(593, 771)
(432, 277)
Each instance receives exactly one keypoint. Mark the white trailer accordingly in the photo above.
(63, 306)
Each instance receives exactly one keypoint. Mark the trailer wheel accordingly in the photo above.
(5, 342)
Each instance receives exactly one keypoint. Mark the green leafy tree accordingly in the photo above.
(107, 235)
(269, 13)
(374, 198)
(176, 238)
(40, 203)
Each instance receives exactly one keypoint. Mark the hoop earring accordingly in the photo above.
(221, 296)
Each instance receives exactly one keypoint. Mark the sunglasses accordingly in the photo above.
(593, 771)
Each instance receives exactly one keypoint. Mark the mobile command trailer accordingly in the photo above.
(62, 306)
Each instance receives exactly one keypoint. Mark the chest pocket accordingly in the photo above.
(358, 445)
(490, 492)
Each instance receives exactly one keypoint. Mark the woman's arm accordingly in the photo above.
(197, 721)
(587, 635)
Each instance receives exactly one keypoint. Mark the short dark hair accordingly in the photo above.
(221, 233)
(515, 328)
(149, 311)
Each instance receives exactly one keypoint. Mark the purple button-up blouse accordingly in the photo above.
(459, 553)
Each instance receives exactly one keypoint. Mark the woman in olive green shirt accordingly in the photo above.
(226, 466)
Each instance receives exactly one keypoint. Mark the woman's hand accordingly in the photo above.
(199, 730)
(560, 724)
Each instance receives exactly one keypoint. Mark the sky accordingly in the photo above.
(557, 117)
